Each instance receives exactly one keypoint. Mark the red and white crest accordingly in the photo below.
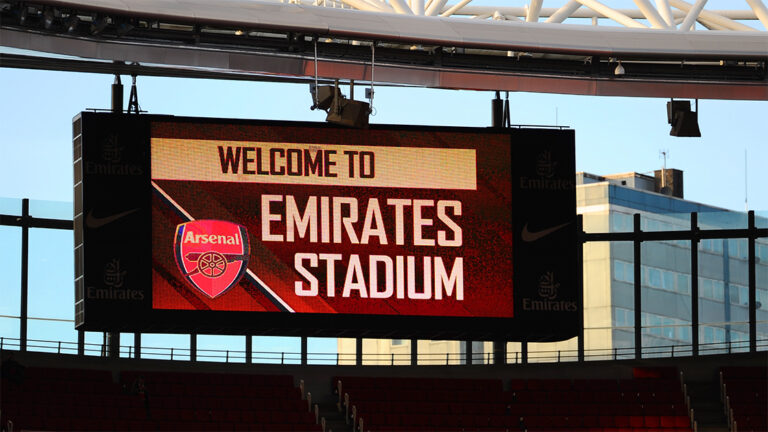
(212, 255)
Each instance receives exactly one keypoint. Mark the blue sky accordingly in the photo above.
(613, 134)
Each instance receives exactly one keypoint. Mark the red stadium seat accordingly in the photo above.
(651, 421)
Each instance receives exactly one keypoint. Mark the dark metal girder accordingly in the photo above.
(283, 55)
(103, 67)
(676, 235)
(33, 222)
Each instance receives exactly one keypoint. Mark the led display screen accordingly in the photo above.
(283, 228)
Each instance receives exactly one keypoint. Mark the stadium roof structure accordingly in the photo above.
(651, 51)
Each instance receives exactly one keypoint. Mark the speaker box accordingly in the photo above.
(325, 96)
(685, 124)
(351, 113)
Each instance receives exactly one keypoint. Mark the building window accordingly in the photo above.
(654, 277)
(623, 271)
(623, 317)
(713, 245)
(761, 252)
(683, 333)
(621, 222)
(737, 248)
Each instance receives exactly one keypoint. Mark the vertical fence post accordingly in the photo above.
(752, 282)
(137, 345)
(193, 347)
(695, 283)
(81, 342)
(358, 351)
(248, 349)
(171, 353)
(282, 357)
(24, 274)
(637, 241)
(580, 284)
(500, 352)
(469, 352)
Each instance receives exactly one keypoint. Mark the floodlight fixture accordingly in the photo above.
(323, 96)
(349, 112)
(619, 71)
(341, 111)
(685, 123)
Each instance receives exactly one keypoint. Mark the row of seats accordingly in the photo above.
(474, 408)
(436, 384)
(84, 424)
(209, 379)
(221, 391)
(26, 410)
(745, 394)
(599, 396)
(76, 399)
(384, 420)
(516, 428)
(749, 373)
(638, 384)
(646, 404)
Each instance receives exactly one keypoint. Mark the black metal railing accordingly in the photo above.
(691, 235)
(377, 359)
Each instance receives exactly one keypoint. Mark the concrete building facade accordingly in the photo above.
(608, 204)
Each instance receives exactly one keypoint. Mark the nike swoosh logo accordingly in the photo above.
(533, 236)
(92, 221)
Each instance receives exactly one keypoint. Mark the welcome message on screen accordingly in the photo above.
(369, 222)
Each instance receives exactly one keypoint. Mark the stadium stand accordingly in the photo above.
(88, 400)
(47, 391)
(744, 392)
(639, 404)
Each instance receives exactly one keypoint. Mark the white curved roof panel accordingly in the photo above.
(511, 35)
(651, 49)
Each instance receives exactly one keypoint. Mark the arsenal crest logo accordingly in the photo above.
(212, 255)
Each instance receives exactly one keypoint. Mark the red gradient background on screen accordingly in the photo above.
(483, 254)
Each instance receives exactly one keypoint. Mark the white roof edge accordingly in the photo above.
(535, 37)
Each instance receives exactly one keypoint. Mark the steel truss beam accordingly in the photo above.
(260, 40)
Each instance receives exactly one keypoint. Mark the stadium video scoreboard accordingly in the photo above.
(262, 227)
